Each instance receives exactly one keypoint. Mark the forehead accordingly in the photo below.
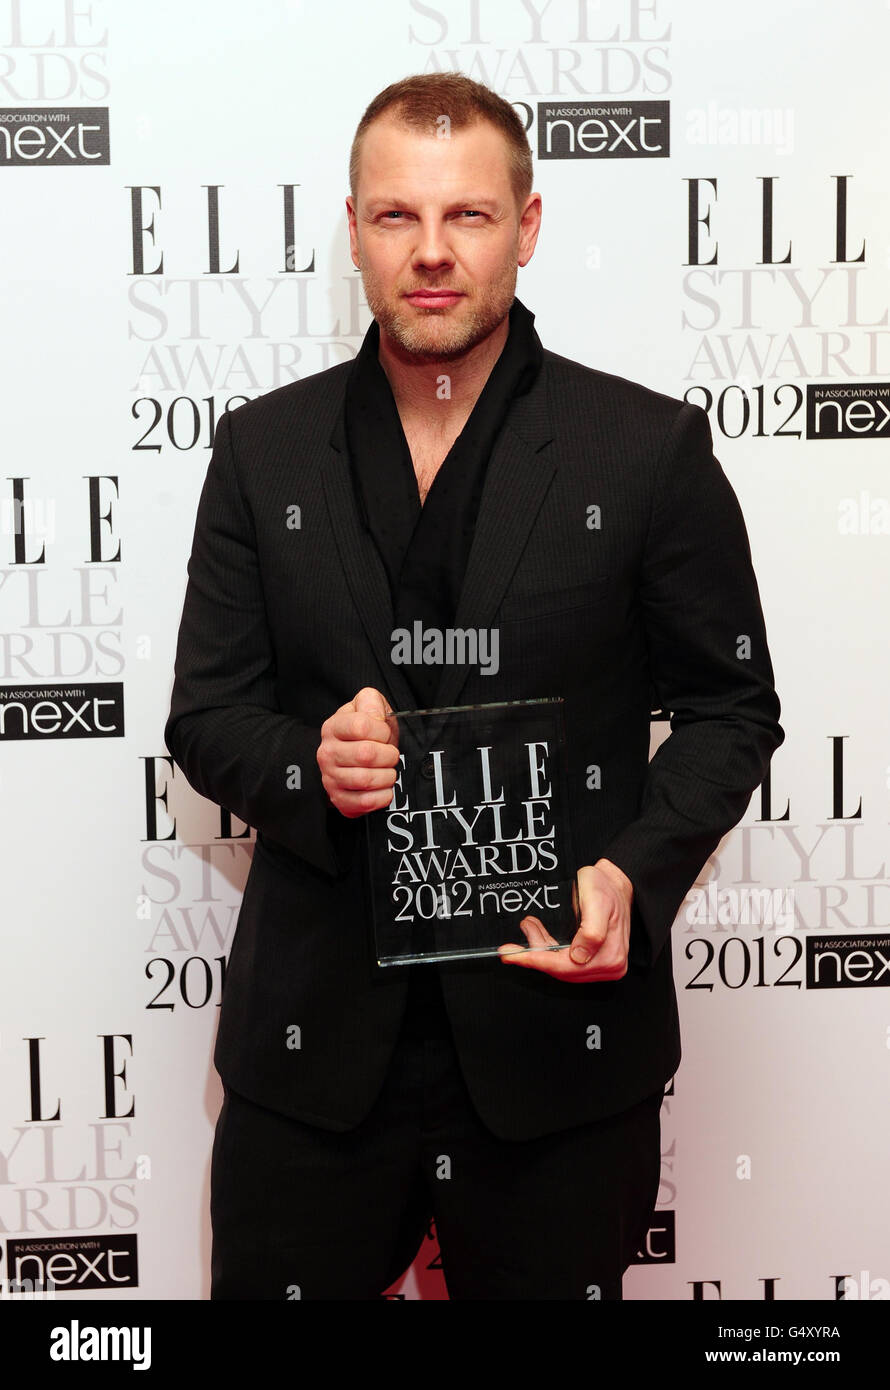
(402, 160)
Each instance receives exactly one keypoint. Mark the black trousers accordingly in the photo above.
(300, 1212)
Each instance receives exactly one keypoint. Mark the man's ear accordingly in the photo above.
(529, 227)
(353, 239)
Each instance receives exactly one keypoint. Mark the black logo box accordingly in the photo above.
(54, 137)
(851, 410)
(73, 1263)
(604, 129)
(862, 962)
(35, 713)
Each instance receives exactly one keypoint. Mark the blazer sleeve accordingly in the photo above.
(225, 729)
(710, 666)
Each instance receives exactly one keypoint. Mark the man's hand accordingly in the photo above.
(358, 755)
(600, 946)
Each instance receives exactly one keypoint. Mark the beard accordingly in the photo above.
(440, 335)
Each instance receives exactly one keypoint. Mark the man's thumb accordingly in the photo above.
(370, 701)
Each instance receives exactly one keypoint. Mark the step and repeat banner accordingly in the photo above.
(716, 225)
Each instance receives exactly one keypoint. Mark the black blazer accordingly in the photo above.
(649, 602)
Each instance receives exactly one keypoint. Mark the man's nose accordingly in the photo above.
(432, 250)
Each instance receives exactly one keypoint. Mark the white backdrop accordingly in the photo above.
(123, 341)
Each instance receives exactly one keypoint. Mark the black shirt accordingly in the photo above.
(425, 547)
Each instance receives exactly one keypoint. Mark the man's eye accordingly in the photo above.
(470, 212)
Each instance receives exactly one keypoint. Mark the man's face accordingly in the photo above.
(438, 236)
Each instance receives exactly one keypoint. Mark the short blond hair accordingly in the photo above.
(421, 101)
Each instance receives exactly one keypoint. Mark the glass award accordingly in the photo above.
(476, 836)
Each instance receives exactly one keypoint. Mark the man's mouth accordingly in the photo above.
(433, 299)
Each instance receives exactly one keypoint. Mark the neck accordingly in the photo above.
(416, 384)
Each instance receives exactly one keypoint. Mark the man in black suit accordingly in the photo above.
(460, 475)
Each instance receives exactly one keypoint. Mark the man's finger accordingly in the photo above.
(353, 726)
(559, 964)
(366, 753)
(365, 779)
(595, 906)
(535, 933)
(353, 804)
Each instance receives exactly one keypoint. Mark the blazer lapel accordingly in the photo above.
(363, 567)
(516, 483)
